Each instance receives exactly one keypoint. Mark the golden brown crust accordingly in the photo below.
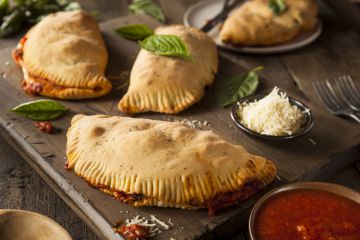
(168, 84)
(67, 50)
(254, 23)
(167, 163)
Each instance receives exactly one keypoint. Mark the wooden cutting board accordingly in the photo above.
(332, 144)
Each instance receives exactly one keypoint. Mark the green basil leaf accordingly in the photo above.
(4, 8)
(61, 2)
(40, 110)
(277, 6)
(29, 11)
(232, 89)
(147, 7)
(135, 31)
(12, 23)
(20, 2)
(38, 4)
(72, 6)
(165, 45)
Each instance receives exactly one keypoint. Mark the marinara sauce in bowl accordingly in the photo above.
(307, 211)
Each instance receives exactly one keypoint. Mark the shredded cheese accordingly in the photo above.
(155, 219)
(272, 115)
(312, 141)
(152, 224)
(170, 222)
(194, 123)
(142, 221)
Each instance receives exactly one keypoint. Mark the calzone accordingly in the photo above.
(157, 163)
(255, 24)
(171, 84)
(64, 56)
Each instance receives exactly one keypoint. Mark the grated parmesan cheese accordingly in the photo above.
(142, 221)
(170, 222)
(193, 123)
(155, 219)
(272, 115)
(152, 224)
(312, 141)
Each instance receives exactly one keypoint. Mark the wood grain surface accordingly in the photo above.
(296, 160)
(22, 188)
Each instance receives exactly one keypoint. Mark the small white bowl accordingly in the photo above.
(24, 225)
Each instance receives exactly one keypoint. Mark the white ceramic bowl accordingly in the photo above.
(24, 225)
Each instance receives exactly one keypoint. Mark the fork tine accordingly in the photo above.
(319, 88)
(353, 89)
(329, 93)
(343, 85)
(336, 97)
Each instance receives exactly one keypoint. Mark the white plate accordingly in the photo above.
(198, 14)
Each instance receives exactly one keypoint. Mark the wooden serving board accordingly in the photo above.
(336, 143)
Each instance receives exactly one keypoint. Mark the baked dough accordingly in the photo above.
(156, 163)
(64, 56)
(255, 24)
(171, 84)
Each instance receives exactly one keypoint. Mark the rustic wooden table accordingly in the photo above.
(22, 188)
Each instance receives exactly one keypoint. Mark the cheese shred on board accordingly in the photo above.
(272, 115)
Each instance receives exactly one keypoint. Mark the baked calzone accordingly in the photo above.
(64, 56)
(157, 163)
(171, 84)
(255, 24)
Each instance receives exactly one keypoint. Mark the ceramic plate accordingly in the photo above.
(198, 14)
(24, 225)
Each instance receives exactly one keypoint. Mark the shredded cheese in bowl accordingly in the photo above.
(272, 115)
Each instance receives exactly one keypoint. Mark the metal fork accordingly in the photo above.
(334, 102)
(227, 6)
(349, 90)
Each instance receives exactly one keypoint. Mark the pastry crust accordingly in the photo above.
(170, 84)
(156, 163)
(254, 23)
(64, 56)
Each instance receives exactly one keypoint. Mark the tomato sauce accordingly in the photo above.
(133, 232)
(308, 215)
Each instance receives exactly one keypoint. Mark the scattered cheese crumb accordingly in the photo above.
(151, 224)
(142, 221)
(170, 222)
(272, 115)
(124, 75)
(194, 123)
(154, 219)
(312, 141)
(123, 86)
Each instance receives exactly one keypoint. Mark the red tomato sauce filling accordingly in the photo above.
(224, 201)
(133, 232)
(218, 204)
(308, 215)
